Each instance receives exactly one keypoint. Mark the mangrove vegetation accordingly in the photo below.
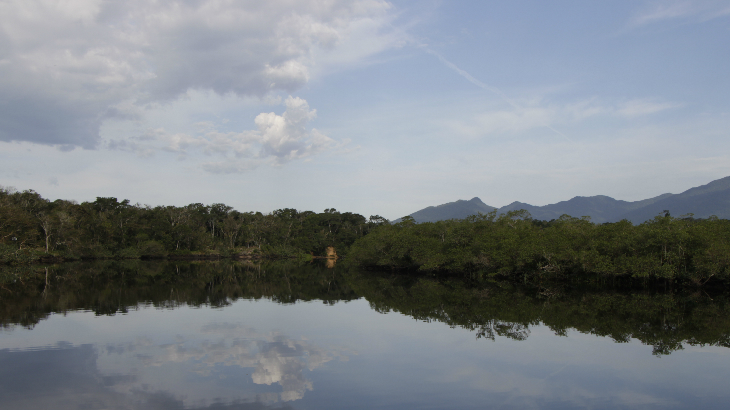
(513, 245)
(667, 249)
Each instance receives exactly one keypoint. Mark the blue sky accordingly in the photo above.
(366, 106)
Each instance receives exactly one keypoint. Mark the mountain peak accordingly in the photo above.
(705, 200)
(459, 209)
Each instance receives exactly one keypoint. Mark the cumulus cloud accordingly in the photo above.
(278, 139)
(67, 66)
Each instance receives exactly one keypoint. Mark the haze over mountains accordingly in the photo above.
(702, 201)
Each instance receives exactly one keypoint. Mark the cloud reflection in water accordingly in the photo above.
(276, 359)
(215, 368)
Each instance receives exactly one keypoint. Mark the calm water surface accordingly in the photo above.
(239, 337)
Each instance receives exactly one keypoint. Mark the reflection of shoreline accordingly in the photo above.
(668, 320)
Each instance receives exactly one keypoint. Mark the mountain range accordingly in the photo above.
(702, 201)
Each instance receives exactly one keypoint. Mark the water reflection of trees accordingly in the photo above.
(492, 328)
(111, 287)
(665, 320)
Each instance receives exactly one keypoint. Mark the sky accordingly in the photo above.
(366, 106)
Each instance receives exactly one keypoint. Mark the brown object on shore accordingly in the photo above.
(331, 257)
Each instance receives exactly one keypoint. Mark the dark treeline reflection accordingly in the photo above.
(29, 294)
(666, 320)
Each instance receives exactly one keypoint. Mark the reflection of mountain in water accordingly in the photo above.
(665, 320)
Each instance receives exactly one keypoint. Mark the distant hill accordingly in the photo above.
(703, 201)
(600, 208)
(452, 210)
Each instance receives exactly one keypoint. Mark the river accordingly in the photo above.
(166, 335)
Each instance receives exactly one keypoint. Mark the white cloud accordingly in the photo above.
(662, 11)
(636, 108)
(531, 114)
(278, 139)
(65, 66)
(285, 137)
(695, 10)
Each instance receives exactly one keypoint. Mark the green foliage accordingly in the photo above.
(152, 249)
(128, 253)
(513, 245)
(110, 228)
(11, 255)
(510, 245)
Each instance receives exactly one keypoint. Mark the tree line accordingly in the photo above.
(32, 228)
(515, 246)
(511, 245)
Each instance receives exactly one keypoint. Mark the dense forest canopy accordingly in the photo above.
(514, 245)
(511, 245)
(109, 228)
